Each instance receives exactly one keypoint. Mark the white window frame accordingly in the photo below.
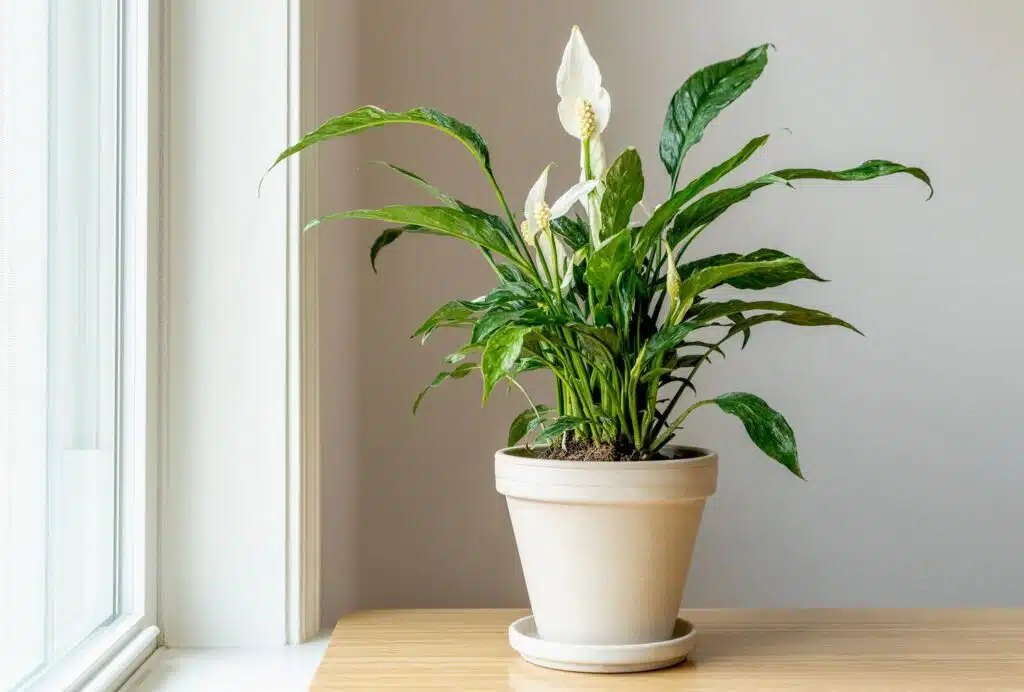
(108, 656)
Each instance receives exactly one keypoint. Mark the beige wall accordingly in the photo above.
(909, 437)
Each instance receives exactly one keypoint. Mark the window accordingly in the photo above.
(75, 480)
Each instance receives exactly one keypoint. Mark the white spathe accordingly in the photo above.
(538, 216)
(605, 546)
(579, 87)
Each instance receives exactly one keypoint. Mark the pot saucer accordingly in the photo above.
(601, 658)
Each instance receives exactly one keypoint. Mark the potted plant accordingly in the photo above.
(609, 300)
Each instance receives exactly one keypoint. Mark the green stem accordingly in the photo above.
(667, 435)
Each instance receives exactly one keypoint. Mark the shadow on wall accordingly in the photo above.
(411, 517)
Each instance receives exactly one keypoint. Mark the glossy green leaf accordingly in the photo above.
(804, 317)
(458, 223)
(868, 170)
(369, 117)
(714, 204)
(445, 199)
(765, 426)
(650, 232)
(500, 355)
(573, 231)
(667, 338)
(457, 374)
(461, 354)
(558, 427)
(386, 238)
(521, 424)
(452, 314)
(767, 277)
(623, 190)
(709, 277)
(702, 97)
(709, 311)
(607, 262)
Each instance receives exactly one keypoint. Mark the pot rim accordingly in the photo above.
(518, 453)
(603, 482)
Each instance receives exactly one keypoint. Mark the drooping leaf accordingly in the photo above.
(458, 223)
(648, 235)
(623, 190)
(866, 171)
(714, 204)
(521, 423)
(572, 230)
(766, 277)
(709, 311)
(702, 97)
(457, 374)
(452, 314)
(500, 355)
(607, 262)
(446, 200)
(765, 426)
(709, 277)
(799, 318)
(386, 238)
(558, 427)
(371, 116)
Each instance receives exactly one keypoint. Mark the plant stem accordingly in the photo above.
(667, 435)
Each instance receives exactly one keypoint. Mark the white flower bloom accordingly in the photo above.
(585, 105)
(538, 215)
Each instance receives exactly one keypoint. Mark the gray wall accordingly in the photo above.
(909, 437)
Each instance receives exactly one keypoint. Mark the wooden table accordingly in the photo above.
(764, 650)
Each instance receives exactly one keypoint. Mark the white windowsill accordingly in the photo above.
(104, 660)
(282, 669)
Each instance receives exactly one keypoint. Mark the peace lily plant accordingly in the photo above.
(611, 304)
(610, 300)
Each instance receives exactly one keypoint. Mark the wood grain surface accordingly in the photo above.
(737, 650)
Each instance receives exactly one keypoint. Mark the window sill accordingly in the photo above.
(104, 660)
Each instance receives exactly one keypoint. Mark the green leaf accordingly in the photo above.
(714, 204)
(454, 313)
(573, 231)
(446, 200)
(492, 322)
(460, 355)
(765, 426)
(624, 188)
(767, 277)
(500, 355)
(667, 338)
(804, 317)
(386, 238)
(371, 116)
(709, 277)
(521, 423)
(866, 171)
(458, 223)
(457, 374)
(702, 97)
(651, 230)
(607, 262)
(559, 426)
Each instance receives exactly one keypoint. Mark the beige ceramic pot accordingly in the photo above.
(606, 546)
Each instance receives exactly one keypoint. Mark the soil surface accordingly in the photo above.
(582, 450)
